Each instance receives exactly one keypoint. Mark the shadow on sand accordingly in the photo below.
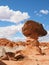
(2, 63)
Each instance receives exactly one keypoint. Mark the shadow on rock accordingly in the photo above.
(2, 63)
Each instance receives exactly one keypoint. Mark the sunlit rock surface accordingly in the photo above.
(25, 53)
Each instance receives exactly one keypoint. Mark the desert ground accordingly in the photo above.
(24, 53)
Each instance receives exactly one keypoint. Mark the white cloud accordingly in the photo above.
(38, 14)
(7, 14)
(41, 12)
(43, 25)
(48, 32)
(17, 38)
(8, 31)
(44, 12)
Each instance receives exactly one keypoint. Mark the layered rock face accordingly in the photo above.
(22, 50)
(6, 42)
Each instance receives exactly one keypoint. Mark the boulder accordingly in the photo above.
(19, 56)
(10, 55)
(33, 29)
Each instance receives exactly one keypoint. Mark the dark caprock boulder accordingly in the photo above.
(32, 29)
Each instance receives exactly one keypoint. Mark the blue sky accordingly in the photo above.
(37, 10)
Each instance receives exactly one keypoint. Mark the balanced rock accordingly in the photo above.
(33, 29)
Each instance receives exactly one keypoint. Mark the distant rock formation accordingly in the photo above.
(6, 42)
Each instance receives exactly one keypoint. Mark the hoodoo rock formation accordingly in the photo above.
(32, 30)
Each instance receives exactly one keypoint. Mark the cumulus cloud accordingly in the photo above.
(17, 38)
(7, 14)
(41, 12)
(44, 12)
(48, 32)
(10, 30)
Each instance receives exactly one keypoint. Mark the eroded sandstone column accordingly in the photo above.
(32, 30)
